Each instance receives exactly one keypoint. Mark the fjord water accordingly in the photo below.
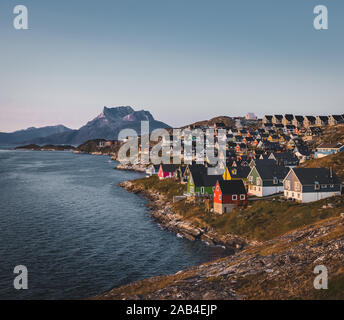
(64, 217)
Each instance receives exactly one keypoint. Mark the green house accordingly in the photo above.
(201, 184)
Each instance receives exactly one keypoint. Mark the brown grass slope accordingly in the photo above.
(336, 161)
(277, 269)
(294, 238)
(330, 134)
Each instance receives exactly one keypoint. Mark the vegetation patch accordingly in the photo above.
(262, 220)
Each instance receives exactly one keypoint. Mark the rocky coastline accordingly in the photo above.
(162, 212)
(129, 167)
(282, 268)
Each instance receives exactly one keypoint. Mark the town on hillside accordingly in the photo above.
(265, 159)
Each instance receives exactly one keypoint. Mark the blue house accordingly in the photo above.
(327, 149)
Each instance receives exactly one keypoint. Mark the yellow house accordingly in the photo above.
(236, 173)
(273, 138)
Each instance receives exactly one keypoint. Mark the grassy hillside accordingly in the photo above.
(261, 220)
(168, 187)
(222, 119)
(336, 161)
(330, 134)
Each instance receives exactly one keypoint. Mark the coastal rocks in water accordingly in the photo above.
(162, 212)
(282, 268)
(131, 167)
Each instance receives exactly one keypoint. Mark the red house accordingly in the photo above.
(228, 194)
(166, 171)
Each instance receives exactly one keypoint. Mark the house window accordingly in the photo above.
(242, 197)
(323, 186)
(234, 197)
(250, 178)
(287, 185)
(217, 188)
(220, 197)
(202, 190)
(332, 186)
(298, 186)
(258, 181)
(213, 189)
(275, 180)
(316, 185)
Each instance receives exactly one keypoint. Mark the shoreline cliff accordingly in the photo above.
(162, 212)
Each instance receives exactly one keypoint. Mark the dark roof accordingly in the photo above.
(310, 118)
(239, 172)
(278, 125)
(278, 116)
(284, 156)
(202, 179)
(311, 175)
(269, 172)
(264, 162)
(337, 117)
(289, 117)
(334, 145)
(232, 187)
(197, 167)
(303, 150)
(315, 129)
(323, 118)
(299, 118)
(168, 167)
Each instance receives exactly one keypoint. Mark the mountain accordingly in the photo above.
(31, 133)
(106, 125)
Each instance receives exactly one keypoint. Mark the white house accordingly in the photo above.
(311, 184)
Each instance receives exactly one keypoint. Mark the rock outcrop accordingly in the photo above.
(282, 268)
(162, 212)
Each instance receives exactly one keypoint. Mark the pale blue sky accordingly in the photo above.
(182, 60)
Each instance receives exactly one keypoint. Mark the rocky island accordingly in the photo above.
(47, 147)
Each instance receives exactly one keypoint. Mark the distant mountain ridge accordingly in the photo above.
(32, 133)
(106, 125)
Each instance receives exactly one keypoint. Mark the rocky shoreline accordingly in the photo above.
(130, 167)
(282, 268)
(162, 212)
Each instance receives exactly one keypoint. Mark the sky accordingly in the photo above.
(183, 61)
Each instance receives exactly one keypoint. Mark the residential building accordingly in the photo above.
(311, 184)
(328, 148)
(229, 194)
(265, 180)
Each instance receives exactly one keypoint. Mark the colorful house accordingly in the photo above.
(201, 184)
(166, 171)
(265, 180)
(273, 138)
(236, 173)
(311, 184)
(229, 194)
(327, 149)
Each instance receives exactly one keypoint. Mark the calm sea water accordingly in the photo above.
(79, 234)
